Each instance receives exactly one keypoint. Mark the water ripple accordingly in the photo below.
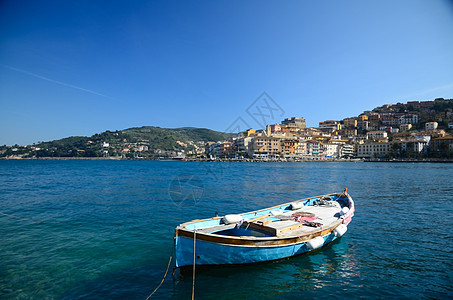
(107, 229)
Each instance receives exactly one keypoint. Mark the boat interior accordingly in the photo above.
(294, 219)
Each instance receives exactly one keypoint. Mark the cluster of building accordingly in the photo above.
(140, 149)
(414, 129)
(374, 134)
(291, 140)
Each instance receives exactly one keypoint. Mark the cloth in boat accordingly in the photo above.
(304, 216)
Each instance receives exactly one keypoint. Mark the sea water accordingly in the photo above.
(104, 229)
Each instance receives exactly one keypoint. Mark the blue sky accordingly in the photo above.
(81, 67)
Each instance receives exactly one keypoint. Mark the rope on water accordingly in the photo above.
(194, 257)
(23, 219)
(169, 261)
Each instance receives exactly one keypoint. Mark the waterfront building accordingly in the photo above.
(301, 149)
(244, 145)
(418, 145)
(331, 150)
(267, 145)
(212, 149)
(289, 147)
(313, 148)
(226, 148)
(442, 144)
(372, 150)
(346, 151)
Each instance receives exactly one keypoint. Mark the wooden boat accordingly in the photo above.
(264, 235)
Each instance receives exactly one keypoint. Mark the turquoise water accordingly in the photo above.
(106, 229)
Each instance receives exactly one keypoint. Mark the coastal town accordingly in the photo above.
(416, 130)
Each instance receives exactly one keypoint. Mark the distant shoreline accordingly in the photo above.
(355, 160)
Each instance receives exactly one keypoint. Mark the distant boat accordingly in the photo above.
(264, 235)
(178, 158)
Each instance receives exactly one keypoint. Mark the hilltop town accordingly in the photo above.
(414, 130)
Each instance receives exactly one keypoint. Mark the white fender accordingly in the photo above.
(276, 212)
(340, 230)
(296, 205)
(315, 243)
(344, 211)
(232, 219)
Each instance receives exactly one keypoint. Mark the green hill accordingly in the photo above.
(165, 138)
(146, 141)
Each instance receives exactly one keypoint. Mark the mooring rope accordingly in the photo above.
(194, 257)
(23, 219)
(165, 275)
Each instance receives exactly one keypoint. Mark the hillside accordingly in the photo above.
(440, 110)
(151, 142)
(146, 141)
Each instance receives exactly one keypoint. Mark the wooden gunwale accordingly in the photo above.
(257, 241)
(259, 210)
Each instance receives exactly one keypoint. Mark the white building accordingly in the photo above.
(313, 148)
(346, 150)
(301, 149)
(408, 119)
(331, 150)
(244, 145)
(417, 144)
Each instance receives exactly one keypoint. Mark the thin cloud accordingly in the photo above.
(429, 91)
(56, 81)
